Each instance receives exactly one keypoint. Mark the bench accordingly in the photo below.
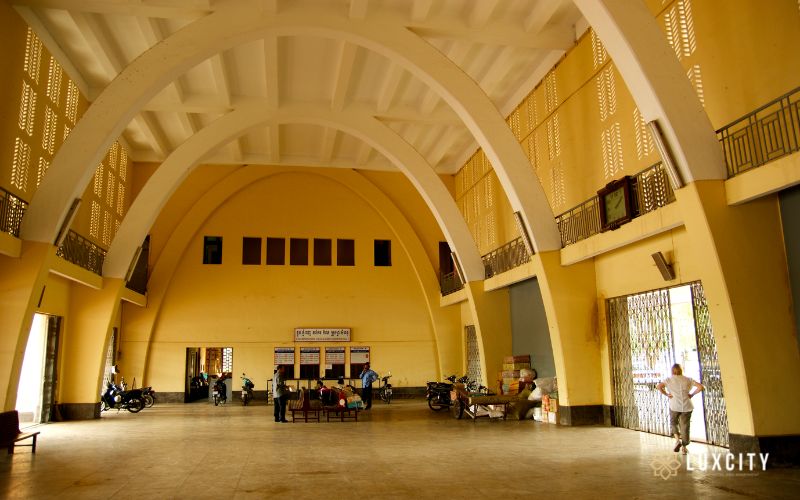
(10, 433)
(342, 412)
(305, 405)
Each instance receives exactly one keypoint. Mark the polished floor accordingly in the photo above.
(402, 450)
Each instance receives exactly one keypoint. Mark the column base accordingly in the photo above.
(76, 411)
(784, 451)
(584, 415)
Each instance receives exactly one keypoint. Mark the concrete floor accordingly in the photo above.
(399, 451)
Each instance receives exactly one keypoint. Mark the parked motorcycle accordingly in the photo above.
(115, 397)
(247, 390)
(385, 390)
(219, 392)
(438, 393)
(149, 396)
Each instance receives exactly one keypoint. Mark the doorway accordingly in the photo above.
(38, 376)
(650, 332)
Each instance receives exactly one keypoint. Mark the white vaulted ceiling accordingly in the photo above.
(506, 46)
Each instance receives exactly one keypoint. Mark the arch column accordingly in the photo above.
(87, 331)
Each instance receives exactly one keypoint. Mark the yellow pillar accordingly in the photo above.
(492, 315)
(87, 330)
(746, 285)
(23, 283)
(570, 301)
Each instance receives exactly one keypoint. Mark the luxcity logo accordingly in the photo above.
(728, 462)
(667, 466)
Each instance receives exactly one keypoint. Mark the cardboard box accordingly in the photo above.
(552, 417)
(517, 359)
(553, 405)
(511, 374)
(515, 366)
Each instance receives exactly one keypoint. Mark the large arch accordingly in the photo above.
(142, 322)
(165, 180)
(244, 21)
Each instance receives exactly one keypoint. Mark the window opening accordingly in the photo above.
(212, 249)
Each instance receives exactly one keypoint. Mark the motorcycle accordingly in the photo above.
(438, 393)
(247, 390)
(219, 392)
(115, 397)
(385, 390)
(149, 396)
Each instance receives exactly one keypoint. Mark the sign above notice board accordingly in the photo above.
(322, 335)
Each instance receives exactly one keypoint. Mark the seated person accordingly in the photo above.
(326, 395)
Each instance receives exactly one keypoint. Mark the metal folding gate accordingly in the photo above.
(642, 349)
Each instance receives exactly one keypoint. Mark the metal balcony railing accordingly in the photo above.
(768, 133)
(512, 254)
(12, 208)
(650, 190)
(450, 283)
(82, 252)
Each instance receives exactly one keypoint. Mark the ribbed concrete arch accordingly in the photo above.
(141, 323)
(658, 84)
(147, 205)
(243, 21)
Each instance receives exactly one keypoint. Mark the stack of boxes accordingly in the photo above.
(510, 376)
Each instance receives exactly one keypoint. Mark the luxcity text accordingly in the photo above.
(728, 462)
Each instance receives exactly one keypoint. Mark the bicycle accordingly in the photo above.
(385, 390)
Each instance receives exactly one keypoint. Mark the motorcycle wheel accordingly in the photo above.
(389, 397)
(103, 405)
(457, 410)
(216, 400)
(436, 406)
(135, 405)
(149, 400)
(245, 400)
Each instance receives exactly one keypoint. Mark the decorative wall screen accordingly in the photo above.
(642, 353)
(473, 354)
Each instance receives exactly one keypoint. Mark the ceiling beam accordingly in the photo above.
(328, 143)
(274, 142)
(221, 80)
(347, 58)
(540, 15)
(153, 132)
(364, 152)
(271, 70)
(496, 33)
(481, 12)
(389, 87)
(378, 163)
(104, 48)
(190, 10)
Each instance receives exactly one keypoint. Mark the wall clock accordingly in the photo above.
(615, 200)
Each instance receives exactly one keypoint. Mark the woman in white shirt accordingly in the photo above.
(680, 404)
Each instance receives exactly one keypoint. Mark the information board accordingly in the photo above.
(334, 355)
(322, 335)
(359, 355)
(309, 355)
(284, 356)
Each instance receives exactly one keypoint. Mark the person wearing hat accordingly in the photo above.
(280, 393)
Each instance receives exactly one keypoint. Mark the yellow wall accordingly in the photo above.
(255, 308)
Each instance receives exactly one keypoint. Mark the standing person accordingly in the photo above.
(680, 404)
(280, 396)
(367, 377)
